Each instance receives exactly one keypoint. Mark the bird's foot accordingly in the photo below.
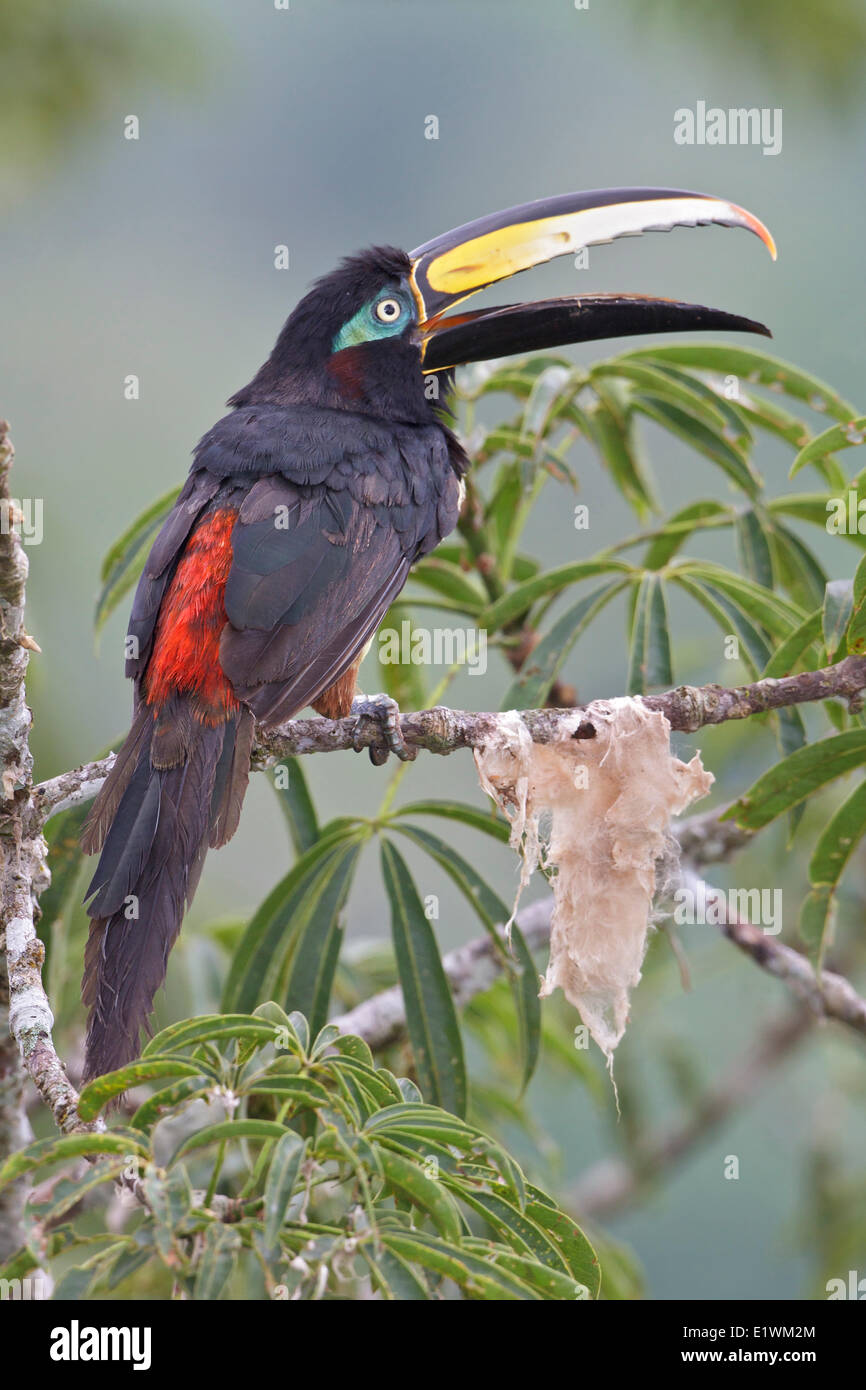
(386, 713)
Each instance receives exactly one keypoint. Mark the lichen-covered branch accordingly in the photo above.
(473, 968)
(28, 1019)
(828, 995)
(444, 731)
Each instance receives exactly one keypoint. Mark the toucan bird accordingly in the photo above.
(305, 508)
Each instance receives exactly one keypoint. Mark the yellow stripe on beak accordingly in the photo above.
(458, 264)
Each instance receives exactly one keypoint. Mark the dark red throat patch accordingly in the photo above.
(185, 657)
(347, 369)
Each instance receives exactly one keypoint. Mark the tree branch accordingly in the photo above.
(443, 731)
(470, 970)
(828, 995)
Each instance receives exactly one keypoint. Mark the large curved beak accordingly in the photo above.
(454, 266)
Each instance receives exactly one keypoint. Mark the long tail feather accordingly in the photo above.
(154, 839)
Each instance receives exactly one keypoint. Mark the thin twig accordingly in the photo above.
(826, 995)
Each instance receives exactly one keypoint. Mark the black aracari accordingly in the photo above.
(305, 509)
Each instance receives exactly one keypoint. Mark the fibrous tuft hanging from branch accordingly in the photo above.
(596, 811)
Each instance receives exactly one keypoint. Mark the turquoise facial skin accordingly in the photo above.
(367, 326)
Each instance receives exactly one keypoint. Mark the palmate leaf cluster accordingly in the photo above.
(343, 1182)
(774, 597)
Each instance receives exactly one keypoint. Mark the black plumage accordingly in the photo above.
(304, 510)
(333, 505)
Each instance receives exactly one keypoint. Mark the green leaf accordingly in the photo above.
(68, 1192)
(713, 446)
(838, 606)
(98, 1093)
(217, 1261)
(349, 1046)
(835, 846)
(516, 1228)
(515, 377)
(125, 560)
(791, 651)
(451, 581)
(170, 1200)
(676, 390)
(296, 804)
(491, 910)
(206, 1027)
(818, 509)
(549, 1283)
(430, 1014)
(168, 1099)
(285, 1165)
(504, 511)
(856, 634)
(74, 1286)
(317, 943)
(228, 1130)
(46, 1151)
(394, 1277)
(479, 1278)
(756, 651)
(714, 394)
(573, 1245)
(797, 777)
(421, 1118)
(677, 530)
(262, 957)
(531, 685)
(615, 440)
(837, 437)
(753, 548)
(427, 1193)
(65, 860)
(798, 570)
(302, 1091)
(555, 382)
(816, 921)
(366, 1084)
(126, 1265)
(493, 914)
(774, 419)
(521, 598)
(764, 607)
(491, 825)
(650, 647)
(756, 367)
(524, 989)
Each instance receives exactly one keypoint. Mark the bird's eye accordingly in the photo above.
(388, 310)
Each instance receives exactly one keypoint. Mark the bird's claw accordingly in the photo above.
(386, 713)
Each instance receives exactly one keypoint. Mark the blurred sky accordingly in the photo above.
(307, 127)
